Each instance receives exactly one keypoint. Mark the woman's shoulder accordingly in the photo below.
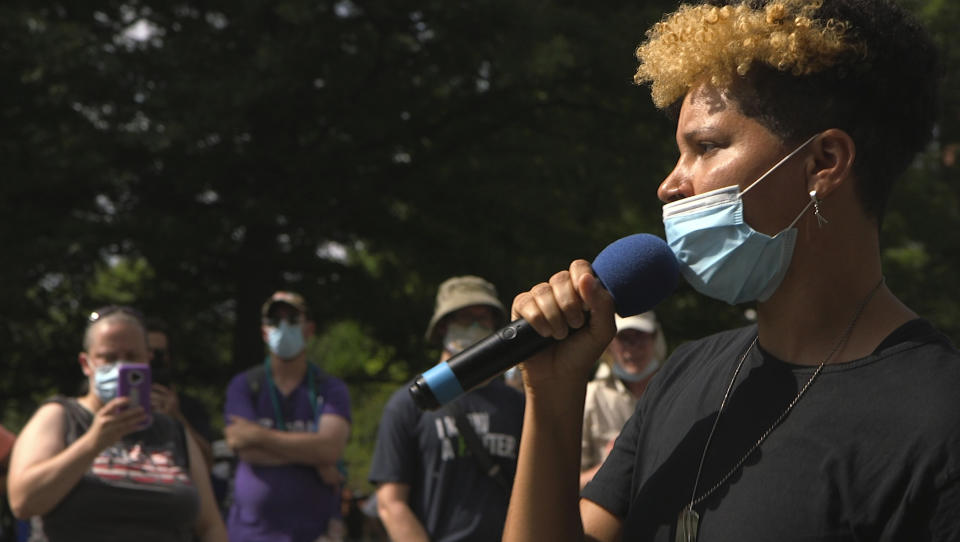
(53, 408)
(63, 409)
(328, 384)
(400, 405)
(44, 433)
(704, 359)
(718, 344)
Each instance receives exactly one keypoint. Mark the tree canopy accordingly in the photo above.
(192, 157)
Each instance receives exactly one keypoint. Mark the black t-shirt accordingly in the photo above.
(196, 414)
(449, 494)
(870, 452)
(137, 489)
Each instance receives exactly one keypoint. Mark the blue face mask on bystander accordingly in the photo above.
(626, 376)
(105, 378)
(286, 340)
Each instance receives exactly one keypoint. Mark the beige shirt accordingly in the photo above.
(608, 406)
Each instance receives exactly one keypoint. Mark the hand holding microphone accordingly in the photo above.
(637, 271)
(574, 312)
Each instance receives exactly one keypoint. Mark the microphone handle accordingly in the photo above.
(488, 358)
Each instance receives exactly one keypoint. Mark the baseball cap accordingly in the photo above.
(646, 322)
(293, 299)
(459, 292)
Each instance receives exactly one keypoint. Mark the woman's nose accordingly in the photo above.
(676, 186)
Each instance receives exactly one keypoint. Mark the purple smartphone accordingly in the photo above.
(134, 381)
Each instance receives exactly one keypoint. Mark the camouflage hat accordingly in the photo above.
(293, 299)
(459, 292)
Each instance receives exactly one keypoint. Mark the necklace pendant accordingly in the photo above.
(687, 524)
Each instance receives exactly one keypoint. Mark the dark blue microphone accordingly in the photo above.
(639, 271)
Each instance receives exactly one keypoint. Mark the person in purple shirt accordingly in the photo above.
(288, 424)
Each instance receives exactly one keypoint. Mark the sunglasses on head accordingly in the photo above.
(107, 310)
(276, 320)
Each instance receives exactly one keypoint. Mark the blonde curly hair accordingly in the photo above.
(700, 42)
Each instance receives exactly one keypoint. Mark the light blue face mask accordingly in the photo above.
(720, 255)
(460, 337)
(627, 376)
(286, 340)
(105, 378)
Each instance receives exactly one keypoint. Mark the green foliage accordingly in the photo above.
(349, 351)
(357, 153)
(910, 259)
(367, 406)
(360, 153)
(122, 282)
(919, 257)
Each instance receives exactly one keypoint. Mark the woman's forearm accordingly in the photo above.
(544, 502)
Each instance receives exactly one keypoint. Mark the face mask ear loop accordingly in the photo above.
(797, 219)
(804, 210)
(778, 164)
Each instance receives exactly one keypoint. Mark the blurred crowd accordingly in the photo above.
(131, 454)
(787, 113)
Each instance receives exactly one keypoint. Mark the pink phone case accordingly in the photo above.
(134, 381)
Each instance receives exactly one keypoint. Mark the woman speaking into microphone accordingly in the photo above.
(833, 417)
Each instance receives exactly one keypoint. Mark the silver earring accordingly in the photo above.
(821, 220)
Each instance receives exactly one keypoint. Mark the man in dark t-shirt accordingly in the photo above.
(430, 483)
(166, 398)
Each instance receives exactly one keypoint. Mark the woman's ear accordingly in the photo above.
(831, 163)
(84, 363)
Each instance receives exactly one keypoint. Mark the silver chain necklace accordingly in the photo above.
(688, 521)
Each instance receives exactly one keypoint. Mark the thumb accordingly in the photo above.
(599, 302)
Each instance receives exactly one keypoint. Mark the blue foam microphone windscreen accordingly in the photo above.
(639, 271)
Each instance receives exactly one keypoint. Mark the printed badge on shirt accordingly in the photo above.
(452, 446)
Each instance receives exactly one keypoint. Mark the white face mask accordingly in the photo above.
(460, 337)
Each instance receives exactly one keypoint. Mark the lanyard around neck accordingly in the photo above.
(275, 394)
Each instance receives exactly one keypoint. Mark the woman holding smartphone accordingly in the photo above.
(94, 470)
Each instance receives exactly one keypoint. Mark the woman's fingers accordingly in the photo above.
(554, 308)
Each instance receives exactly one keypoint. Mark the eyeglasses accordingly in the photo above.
(107, 310)
(275, 321)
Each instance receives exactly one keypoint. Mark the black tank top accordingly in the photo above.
(138, 489)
